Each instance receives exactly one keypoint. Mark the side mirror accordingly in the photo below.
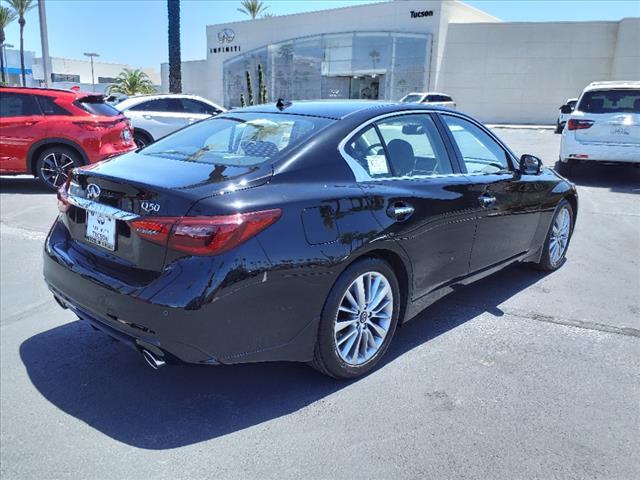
(566, 109)
(530, 165)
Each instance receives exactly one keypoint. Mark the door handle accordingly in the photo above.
(400, 211)
(147, 117)
(191, 120)
(487, 201)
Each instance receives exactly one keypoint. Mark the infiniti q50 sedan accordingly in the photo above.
(302, 232)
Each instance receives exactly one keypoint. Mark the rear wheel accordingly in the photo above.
(55, 164)
(557, 241)
(358, 320)
(141, 139)
(564, 168)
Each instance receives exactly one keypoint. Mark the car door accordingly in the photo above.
(159, 117)
(21, 124)
(418, 195)
(507, 220)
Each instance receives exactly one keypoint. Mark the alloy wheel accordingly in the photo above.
(55, 168)
(559, 235)
(363, 318)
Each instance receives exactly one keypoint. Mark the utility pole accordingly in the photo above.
(93, 80)
(44, 40)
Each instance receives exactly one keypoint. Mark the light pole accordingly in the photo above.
(44, 41)
(91, 55)
(5, 62)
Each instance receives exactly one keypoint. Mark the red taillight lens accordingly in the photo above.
(574, 124)
(95, 125)
(205, 235)
(63, 196)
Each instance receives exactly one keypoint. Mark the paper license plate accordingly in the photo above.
(101, 230)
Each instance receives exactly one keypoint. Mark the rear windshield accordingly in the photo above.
(411, 99)
(241, 139)
(97, 106)
(610, 101)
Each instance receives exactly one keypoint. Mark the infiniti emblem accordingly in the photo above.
(93, 191)
(226, 36)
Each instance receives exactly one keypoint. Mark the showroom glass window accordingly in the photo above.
(406, 146)
(480, 152)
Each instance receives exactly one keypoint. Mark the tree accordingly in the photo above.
(253, 8)
(175, 63)
(6, 17)
(132, 82)
(20, 8)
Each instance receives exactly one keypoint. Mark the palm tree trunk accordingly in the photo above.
(24, 73)
(175, 64)
(4, 79)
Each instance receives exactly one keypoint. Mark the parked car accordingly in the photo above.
(564, 112)
(47, 132)
(302, 232)
(154, 116)
(604, 127)
(432, 98)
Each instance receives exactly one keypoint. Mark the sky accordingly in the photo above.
(135, 31)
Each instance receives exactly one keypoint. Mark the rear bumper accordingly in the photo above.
(572, 149)
(195, 312)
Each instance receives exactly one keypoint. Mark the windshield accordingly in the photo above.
(411, 98)
(611, 101)
(241, 139)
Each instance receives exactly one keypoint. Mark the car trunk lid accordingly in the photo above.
(614, 128)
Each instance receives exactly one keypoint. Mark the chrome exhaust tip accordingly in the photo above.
(152, 360)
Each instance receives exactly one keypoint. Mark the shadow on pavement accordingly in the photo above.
(23, 185)
(616, 178)
(107, 386)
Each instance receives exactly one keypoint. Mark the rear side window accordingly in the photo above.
(18, 105)
(50, 107)
(407, 146)
(97, 106)
(610, 101)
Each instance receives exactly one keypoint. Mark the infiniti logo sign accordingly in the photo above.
(93, 191)
(226, 36)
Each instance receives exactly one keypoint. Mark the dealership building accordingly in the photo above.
(508, 72)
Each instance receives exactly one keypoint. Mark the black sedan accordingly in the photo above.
(303, 232)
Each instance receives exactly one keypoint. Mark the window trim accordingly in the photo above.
(361, 175)
(41, 114)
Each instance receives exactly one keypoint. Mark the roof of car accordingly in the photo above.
(56, 91)
(336, 109)
(136, 99)
(613, 84)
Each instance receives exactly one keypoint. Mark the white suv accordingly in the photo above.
(154, 116)
(432, 98)
(604, 127)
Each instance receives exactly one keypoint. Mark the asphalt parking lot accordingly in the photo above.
(522, 375)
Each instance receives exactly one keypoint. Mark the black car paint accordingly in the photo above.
(263, 300)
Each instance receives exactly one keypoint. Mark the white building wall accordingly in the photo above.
(522, 72)
(195, 77)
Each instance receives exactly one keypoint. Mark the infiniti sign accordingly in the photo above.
(226, 36)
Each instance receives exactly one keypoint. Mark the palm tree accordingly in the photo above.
(6, 17)
(132, 82)
(175, 64)
(253, 8)
(20, 8)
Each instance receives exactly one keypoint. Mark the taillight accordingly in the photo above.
(96, 125)
(575, 124)
(63, 196)
(204, 235)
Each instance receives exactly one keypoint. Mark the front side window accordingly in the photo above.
(480, 153)
(398, 147)
(18, 105)
(611, 101)
(242, 139)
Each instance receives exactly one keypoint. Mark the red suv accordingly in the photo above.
(47, 132)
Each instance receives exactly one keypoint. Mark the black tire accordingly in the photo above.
(564, 168)
(141, 139)
(546, 263)
(327, 359)
(55, 163)
(558, 127)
